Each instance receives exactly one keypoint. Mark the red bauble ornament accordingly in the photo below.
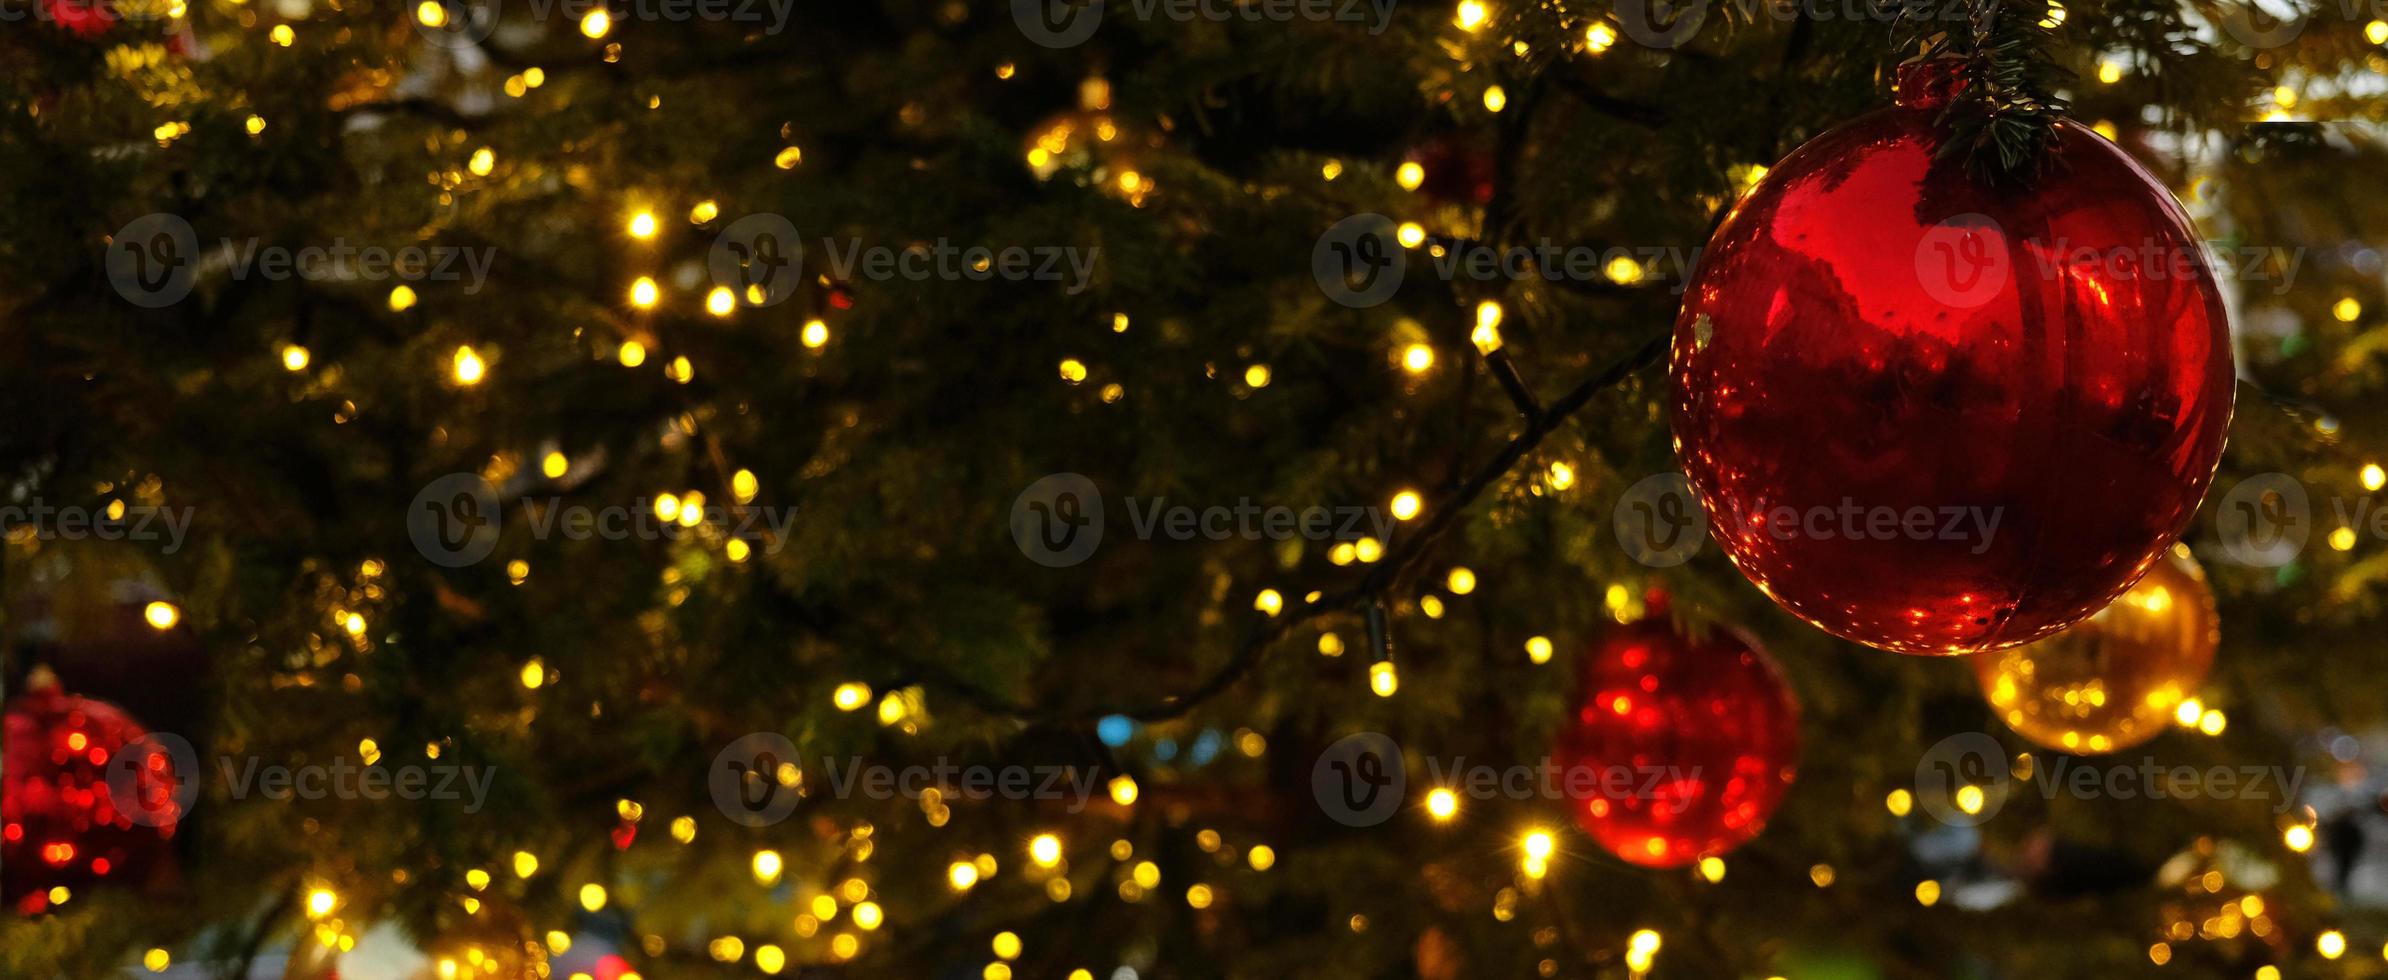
(1880, 356)
(1682, 747)
(60, 821)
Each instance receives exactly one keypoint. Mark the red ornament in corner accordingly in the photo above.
(1681, 747)
(63, 823)
(1940, 416)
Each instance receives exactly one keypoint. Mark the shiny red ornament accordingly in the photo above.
(61, 824)
(1682, 746)
(1941, 416)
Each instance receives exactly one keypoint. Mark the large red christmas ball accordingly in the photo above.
(62, 824)
(1681, 747)
(1939, 415)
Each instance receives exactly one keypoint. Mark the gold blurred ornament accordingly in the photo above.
(1092, 146)
(2114, 680)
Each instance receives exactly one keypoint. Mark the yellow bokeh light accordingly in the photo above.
(1417, 358)
(644, 292)
(1471, 15)
(1495, 99)
(1442, 804)
(161, 615)
(1406, 505)
(294, 357)
(596, 23)
(468, 368)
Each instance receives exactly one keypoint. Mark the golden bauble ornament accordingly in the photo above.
(2114, 680)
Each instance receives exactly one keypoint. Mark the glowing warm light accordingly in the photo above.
(2331, 944)
(1442, 804)
(1073, 370)
(402, 298)
(644, 292)
(2348, 309)
(642, 225)
(1487, 335)
(1406, 505)
(1461, 581)
(2110, 72)
(162, 615)
(483, 161)
(526, 864)
(1262, 857)
(1257, 376)
(1471, 15)
(767, 866)
(1562, 476)
(1900, 802)
(294, 357)
(1382, 679)
(595, 23)
(868, 915)
(320, 902)
(1123, 790)
(2376, 32)
(721, 302)
(1269, 601)
(1712, 869)
(1640, 949)
(961, 875)
(788, 157)
(1417, 358)
(468, 367)
(1538, 649)
(632, 353)
(1045, 850)
(534, 674)
(2188, 712)
(816, 334)
(851, 695)
(592, 896)
(1599, 37)
(1623, 270)
(704, 211)
(1927, 893)
(1495, 99)
(1411, 234)
(1409, 175)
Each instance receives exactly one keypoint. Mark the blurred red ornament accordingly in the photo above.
(1455, 171)
(1940, 416)
(86, 19)
(62, 823)
(1682, 746)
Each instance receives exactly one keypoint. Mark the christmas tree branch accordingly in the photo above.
(2002, 119)
(1442, 513)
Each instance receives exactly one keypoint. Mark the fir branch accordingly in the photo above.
(2002, 118)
